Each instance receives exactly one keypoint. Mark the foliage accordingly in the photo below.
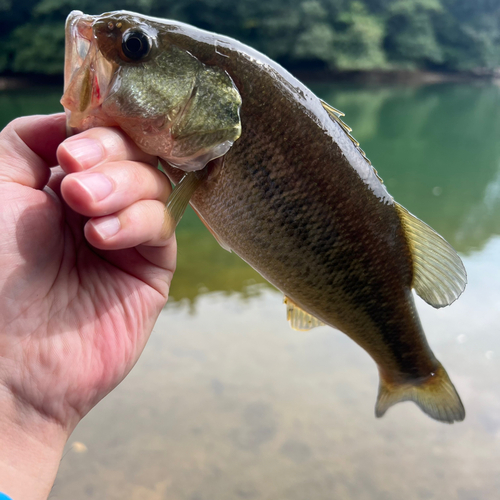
(445, 35)
(360, 43)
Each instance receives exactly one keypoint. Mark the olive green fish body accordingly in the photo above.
(290, 204)
(286, 188)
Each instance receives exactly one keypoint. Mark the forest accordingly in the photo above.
(331, 35)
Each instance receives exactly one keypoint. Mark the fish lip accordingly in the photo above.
(87, 74)
(79, 35)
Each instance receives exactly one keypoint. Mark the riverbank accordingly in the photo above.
(395, 77)
(381, 77)
(8, 82)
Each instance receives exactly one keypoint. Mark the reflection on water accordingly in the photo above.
(42, 100)
(228, 403)
(203, 266)
(436, 148)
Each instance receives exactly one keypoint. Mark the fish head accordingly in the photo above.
(125, 70)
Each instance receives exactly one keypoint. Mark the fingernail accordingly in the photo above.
(97, 185)
(107, 226)
(87, 152)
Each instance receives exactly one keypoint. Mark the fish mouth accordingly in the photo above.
(87, 74)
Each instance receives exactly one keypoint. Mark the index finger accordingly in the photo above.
(28, 148)
(96, 145)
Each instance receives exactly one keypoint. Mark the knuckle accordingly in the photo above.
(110, 138)
(136, 175)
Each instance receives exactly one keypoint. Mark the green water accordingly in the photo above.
(436, 147)
(228, 403)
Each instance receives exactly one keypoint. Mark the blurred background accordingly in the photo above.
(227, 402)
(335, 35)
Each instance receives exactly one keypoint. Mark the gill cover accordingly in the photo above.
(177, 108)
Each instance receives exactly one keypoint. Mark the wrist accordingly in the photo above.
(31, 448)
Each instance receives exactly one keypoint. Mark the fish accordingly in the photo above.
(277, 177)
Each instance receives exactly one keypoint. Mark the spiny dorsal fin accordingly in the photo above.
(439, 275)
(298, 318)
(335, 115)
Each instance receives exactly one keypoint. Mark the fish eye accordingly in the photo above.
(136, 45)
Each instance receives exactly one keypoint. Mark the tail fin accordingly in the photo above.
(436, 396)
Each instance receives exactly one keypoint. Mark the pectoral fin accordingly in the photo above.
(439, 275)
(178, 201)
(209, 123)
(298, 318)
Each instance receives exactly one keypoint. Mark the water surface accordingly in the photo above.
(228, 403)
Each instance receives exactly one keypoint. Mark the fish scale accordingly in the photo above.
(277, 178)
(312, 200)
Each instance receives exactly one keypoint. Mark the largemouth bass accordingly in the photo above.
(275, 175)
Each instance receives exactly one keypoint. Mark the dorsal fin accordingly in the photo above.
(335, 115)
(298, 318)
(439, 275)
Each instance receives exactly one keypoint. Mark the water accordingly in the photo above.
(228, 403)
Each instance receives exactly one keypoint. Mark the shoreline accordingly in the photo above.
(9, 82)
(395, 77)
(376, 77)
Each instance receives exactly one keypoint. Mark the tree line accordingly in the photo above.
(337, 35)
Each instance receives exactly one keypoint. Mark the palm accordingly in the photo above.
(75, 319)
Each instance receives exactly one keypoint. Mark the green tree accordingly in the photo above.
(336, 34)
(359, 45)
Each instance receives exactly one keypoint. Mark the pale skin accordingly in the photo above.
(85, 269)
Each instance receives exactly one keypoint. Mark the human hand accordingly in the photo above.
(77, 304)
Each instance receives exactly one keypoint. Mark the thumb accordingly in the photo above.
(28, 149)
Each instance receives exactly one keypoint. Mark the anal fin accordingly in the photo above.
(298, 318)
(436, 396)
